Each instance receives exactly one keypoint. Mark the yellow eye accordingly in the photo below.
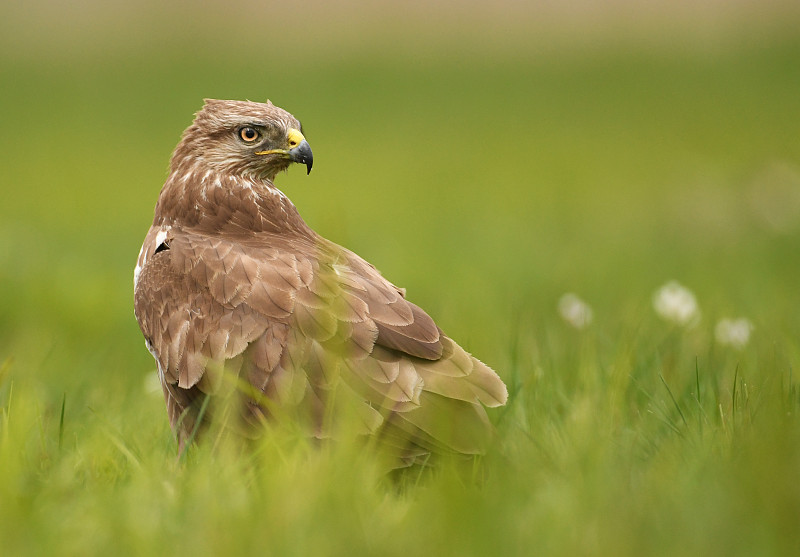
(248, 134)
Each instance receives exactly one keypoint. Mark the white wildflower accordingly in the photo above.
(575, 311)
(733, 332)
(675, 303)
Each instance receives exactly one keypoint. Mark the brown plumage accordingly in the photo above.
(232, 284)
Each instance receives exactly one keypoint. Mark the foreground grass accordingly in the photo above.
(638, 448)
(489, 188)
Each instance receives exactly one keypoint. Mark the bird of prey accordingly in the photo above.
(238, 299)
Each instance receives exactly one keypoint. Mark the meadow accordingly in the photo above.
(489, 183)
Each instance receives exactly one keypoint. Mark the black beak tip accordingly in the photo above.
(302, 154)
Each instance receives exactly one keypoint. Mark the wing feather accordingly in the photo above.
(297, 322)
(459, 425)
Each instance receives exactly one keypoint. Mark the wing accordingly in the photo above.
(298, 319)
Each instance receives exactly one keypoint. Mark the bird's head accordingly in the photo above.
(245, 138)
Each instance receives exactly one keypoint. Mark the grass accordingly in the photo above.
(488, 187)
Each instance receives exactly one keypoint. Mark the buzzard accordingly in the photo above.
(240, 301)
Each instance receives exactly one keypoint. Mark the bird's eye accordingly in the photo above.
(248, 134)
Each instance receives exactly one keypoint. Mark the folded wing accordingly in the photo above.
(306, 325)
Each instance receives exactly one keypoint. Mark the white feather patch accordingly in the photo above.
(138, 268)
(142, 260)
(162, 235)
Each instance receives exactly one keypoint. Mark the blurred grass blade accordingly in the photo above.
(674, 401)
(61, 421)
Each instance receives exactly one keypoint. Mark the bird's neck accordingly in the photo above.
(201, 198)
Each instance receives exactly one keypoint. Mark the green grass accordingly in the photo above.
(488, 187)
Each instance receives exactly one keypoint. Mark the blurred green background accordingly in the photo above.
(489, 157)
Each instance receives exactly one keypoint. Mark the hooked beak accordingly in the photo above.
(299, 150)
(302, 154)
